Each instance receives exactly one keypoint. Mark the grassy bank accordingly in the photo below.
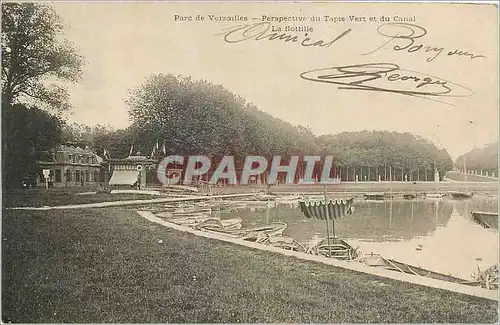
(59, 196)
(470, 178)
(106, 265)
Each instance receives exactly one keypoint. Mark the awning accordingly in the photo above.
(124, 177)
(334, 209)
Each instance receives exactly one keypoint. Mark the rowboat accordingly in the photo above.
(288, 199)
(339, 249)
(261, 204)
(374, 196)
(189, 221)
(218, 224)
(257, 233)
(283, 242)
(434, 195)
(189, 214)
(488, 279)
(219, 205)
(376, 260)
(486, 219)
(460, 195)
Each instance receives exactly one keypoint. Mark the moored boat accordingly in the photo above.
(256, 233)
(189, 221)
(376, 260)
(409, 196)
(461, 195)
(283, 242)
(218, 224)
(374, 196)
(339, 249)
(434, 195)
(486, 219)
(260, 204)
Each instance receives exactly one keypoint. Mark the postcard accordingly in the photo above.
(249, 162)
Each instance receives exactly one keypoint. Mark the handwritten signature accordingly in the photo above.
(405, 36)
(387, 77)
(261, 31)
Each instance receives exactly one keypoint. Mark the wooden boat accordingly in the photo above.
(374, 196)
(288, 199)
(434, 195)
(486, 219)
(338, 247)
(257, 233)
(283, 242)
(376, 260)
(460, 195)
(218, 224)
(261, 204)
(189, 221)
(489, 278)
(219, 205)
(189, 214)
(409, 196)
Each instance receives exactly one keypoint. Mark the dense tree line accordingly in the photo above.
(485, 159)
(197, 117)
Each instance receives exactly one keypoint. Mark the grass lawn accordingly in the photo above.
(62, 196)
(106, 265)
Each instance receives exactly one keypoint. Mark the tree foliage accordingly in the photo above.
(197, 117)
(33, 55)
(485, 159)
(27, 135)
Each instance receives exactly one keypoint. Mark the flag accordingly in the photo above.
(131, 149)
(334, 209)
(153, 151)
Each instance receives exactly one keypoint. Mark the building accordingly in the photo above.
(132, 172)
(71, 166)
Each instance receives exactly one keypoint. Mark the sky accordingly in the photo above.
(123, 43)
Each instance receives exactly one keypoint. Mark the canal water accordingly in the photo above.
(438, 235)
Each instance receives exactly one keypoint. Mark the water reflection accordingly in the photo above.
(437, 234)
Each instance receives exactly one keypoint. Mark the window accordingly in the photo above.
(71, 159)
(77, 176)
(68, 175)
(96, 176)
(58, 176)
(87, 176)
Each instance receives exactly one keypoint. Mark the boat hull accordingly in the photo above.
(488, 220)
(338, 248)
(461, 195)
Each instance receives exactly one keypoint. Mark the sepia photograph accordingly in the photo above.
(249, 162)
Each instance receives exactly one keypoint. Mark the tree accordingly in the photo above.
(481, 159)
(32, 55)
(197, 117)
(28, 134)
